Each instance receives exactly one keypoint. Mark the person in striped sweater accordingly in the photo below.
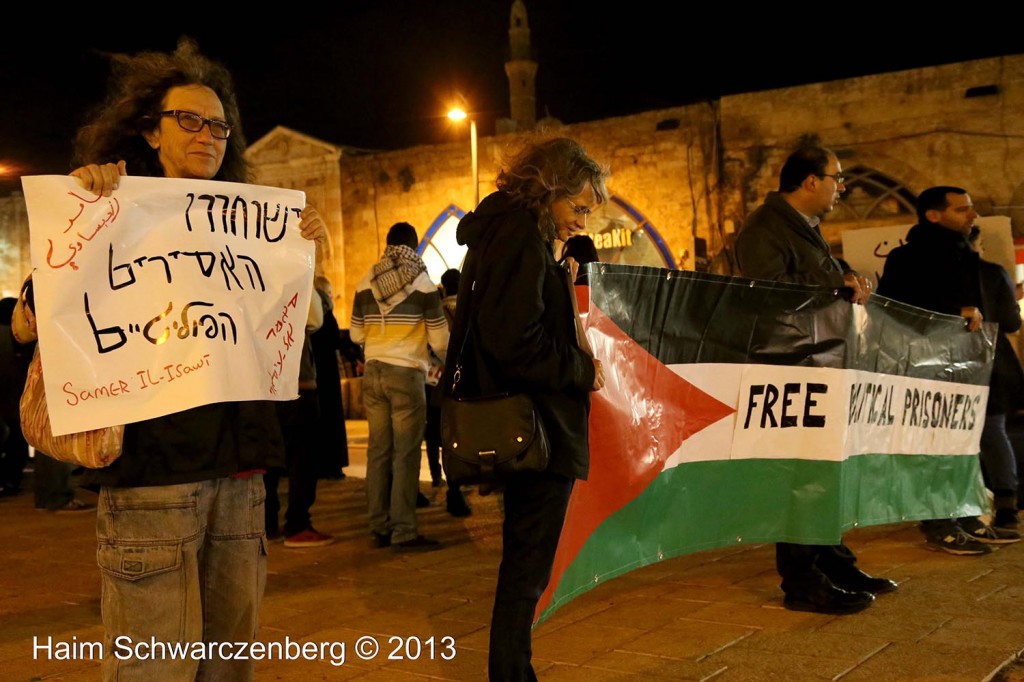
(396, 315)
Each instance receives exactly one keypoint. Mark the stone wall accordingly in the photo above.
(694, 171)
(663, 164)
(15, 256)
(663, 173)
(920, 127)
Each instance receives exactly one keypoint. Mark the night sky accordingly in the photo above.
(381, 75)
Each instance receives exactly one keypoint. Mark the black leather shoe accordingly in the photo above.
(456, 503)
(417, 544)
(859, 581)
(830, 600)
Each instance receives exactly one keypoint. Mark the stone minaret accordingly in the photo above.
(521, 70)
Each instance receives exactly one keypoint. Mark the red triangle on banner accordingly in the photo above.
(642, 416)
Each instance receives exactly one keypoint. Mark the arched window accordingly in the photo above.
(620, 232)
(870, 195)
(624, 235)
(439, 250)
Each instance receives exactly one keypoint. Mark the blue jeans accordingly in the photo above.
(396, 412)
(181, 563)
(999, 461)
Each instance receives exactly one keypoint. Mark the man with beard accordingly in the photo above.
(940, 244)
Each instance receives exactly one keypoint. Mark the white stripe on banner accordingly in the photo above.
(826, 414)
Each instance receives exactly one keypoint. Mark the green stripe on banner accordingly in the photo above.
(705, 505)
(880, 489)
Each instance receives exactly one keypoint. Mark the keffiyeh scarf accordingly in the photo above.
(397, 268)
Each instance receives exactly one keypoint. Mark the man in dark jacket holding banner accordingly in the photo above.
(939, 244)
(781, 241)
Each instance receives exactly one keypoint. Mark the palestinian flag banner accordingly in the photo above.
(747, 411)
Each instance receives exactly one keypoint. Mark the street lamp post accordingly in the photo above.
(458, 115)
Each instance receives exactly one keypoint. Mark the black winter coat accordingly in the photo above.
(515, 298)
(199, 444)
(937, 270)
(999, 305)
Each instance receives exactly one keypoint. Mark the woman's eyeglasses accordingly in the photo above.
(194, 123)
(579, 210)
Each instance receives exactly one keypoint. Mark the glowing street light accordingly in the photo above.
(459, 115)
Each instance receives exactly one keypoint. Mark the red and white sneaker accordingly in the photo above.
(310, 537)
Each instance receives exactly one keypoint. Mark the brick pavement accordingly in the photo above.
(711, 615)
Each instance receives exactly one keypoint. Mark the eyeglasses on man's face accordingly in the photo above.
(194, 123)
(579, 210)
(838, 177)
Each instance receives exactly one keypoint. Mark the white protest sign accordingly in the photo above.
(866, 250)
(167, 295)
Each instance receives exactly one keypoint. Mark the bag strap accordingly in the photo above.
(581, 336)
(468, 304)
(457, 374)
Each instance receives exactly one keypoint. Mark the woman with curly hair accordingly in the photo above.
(180, 524)
(516, 301)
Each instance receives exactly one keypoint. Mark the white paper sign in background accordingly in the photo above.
(167, 295)
(866, 250)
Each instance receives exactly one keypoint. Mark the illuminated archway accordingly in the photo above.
(871, 195)
(621, 233)
(438, 249)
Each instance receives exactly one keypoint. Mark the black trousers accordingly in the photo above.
(805, 567)
(298, 423)
(535, 505)
(52, 486)
(432, 433)
(13, 458)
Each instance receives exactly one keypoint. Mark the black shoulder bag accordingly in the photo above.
(486, 439)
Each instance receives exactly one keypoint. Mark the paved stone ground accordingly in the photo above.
(713, 615)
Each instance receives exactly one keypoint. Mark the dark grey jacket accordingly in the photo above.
(776, 243)
(199, 444)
